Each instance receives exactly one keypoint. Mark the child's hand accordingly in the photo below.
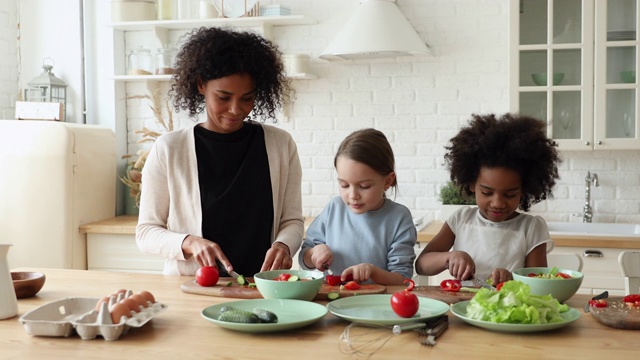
(321, 255)
(361, 272)
(500, 275)
(461, 265)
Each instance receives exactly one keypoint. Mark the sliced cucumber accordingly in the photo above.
(229, 284)
(333, 295)
(241, 280)
(265, 316)
(252, 285)
(293, 278)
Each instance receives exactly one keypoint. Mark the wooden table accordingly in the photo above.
(181, 333)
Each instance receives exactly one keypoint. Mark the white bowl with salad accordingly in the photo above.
(561, 284)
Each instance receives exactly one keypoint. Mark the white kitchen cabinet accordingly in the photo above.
(600, 272)
(591, 48)
(119, 252)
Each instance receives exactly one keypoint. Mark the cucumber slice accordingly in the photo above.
(241, 280)
(252, 285)
(333, 295)
(293, 278)
(239, 316)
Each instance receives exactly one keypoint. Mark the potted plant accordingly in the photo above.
(452, 198)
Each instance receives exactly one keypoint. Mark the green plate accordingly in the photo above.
(291, 314)
(460, 310)
(376, 309)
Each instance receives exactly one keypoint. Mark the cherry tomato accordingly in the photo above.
(283, 277)
(563, 275)
(207, 276)
(405, 303)
(450, 285)
(352, 285)
(598, 303)
(333, 280)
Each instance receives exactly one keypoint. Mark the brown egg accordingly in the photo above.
(131, 304)
(147, 295)
(118, 310)
(99, 304)
(139, 299)
(118, 292)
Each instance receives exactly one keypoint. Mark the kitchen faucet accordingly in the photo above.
(591, 179)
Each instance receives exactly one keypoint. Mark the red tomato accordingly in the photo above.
(352, 285)
(283, 277)
(405, 303)
(333, 280)
(564, 276)
(451, 285)
(207, 276)
(499, 286)
(632, 300)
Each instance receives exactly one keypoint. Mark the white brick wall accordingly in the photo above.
(418, 102)
(8, 58)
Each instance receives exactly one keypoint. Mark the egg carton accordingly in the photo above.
(62, 317)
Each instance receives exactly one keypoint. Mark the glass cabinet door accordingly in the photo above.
(616, 85)
(554, 67)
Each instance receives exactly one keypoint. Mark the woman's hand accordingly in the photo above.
(500, 275)
(205, 252)
(461, 266)
(277, 257)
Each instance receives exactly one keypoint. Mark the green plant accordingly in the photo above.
(450, 194)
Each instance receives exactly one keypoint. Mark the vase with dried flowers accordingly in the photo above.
(133, 174)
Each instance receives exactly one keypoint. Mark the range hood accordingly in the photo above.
(377, 30)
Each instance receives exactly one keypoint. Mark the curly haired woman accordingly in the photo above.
(225, 192)
(507, 163)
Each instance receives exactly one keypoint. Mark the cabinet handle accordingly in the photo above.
(587, 143)
(599, 142)
(593, 253)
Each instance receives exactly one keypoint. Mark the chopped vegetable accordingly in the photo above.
(293, 278)
(333, 295)
(553, 274)
(352, 285)
(333, 280)
(632, 300)
(283, 277)
(515, 304)
(598, 303)
(451, 285)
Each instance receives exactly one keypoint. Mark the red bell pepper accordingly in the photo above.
(601, 303)
(451, 285)
(632, 300)
(352, 285)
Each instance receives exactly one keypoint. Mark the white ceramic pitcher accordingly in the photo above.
(8, 301)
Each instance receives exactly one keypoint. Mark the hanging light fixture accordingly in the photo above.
(377, 30)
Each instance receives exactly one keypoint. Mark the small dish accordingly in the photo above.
(540, 79)
(27, 283)
(292, 314)
(460, 310)
(376, 310)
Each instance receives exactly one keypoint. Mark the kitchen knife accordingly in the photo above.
(233, 274)
(326, 269)
(600, 296)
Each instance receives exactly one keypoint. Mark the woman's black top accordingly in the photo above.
(235, 193)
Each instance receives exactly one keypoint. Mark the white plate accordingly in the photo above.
(291, 314)
(460, 310)
(233, 8)
(376, 309)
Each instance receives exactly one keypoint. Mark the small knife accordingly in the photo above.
(233, 274)
(325, 267)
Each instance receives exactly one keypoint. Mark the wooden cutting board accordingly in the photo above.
(617, 315)
(434, 292)
(245, 292)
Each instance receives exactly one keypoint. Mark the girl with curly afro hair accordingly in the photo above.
(227, 184)
(507, 163)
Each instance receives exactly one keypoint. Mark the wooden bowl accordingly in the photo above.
(27, 284)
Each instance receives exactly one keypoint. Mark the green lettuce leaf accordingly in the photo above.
(514, 304)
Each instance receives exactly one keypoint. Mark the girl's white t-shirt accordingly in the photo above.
(494, 245)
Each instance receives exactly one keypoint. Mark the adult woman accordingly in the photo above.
(227, 190)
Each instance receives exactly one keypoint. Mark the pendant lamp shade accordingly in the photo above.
(377, 30)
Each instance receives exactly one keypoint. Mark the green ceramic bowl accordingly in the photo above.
(561, 289)
(540, 79)
(306, 288)
(628, 77)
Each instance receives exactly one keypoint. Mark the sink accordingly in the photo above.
(594, 229)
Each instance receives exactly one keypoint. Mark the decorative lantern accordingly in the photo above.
(47, 88)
